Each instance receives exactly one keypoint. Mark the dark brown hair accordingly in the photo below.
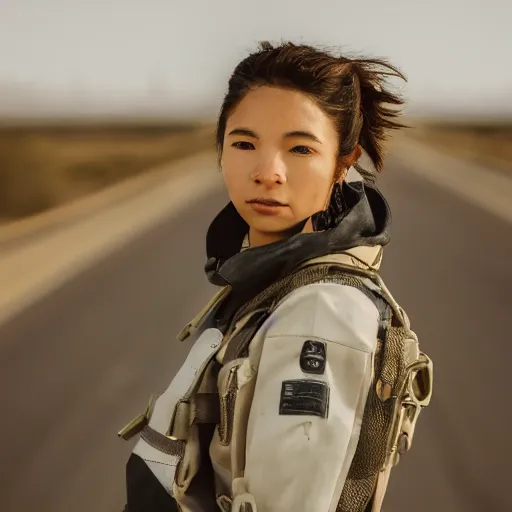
(352, 92)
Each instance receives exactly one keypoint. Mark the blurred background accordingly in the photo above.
(108, 183)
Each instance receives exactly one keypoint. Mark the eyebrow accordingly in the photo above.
(303, 135)
(288, 135)
(243, 131)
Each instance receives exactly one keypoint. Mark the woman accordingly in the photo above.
(304, 382)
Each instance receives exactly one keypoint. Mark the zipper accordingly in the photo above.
(227, 406)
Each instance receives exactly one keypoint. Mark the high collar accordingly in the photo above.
(365, 222)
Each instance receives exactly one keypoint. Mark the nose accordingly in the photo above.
(269, 173)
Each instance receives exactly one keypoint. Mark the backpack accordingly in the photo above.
(401, 388)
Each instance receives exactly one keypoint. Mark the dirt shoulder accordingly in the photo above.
(488, 144)
(45, 167)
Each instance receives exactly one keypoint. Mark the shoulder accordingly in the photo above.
(331, 311)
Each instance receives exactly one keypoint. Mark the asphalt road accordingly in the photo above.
(79, 364)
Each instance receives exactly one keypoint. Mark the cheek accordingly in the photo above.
(229, 180)
(234, 180)
(310, 187)
(236, 168)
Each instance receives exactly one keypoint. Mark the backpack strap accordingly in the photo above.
(360, 261)
(414, 395)
(353, 262)
(196, 321)
(365, 257)
(414, 391)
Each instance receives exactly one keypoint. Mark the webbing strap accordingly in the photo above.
(206, 408)
(353, 265)
(236, 347)
(165, 444)
(380, 488)
(216, 299)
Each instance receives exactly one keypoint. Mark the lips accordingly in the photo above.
(266, 202)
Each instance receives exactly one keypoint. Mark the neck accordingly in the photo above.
(258, 238)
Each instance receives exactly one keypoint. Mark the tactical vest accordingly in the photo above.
(401, 387)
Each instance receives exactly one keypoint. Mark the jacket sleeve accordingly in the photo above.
(314, 375)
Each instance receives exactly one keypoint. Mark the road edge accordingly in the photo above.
(38, 267)
(485, 188)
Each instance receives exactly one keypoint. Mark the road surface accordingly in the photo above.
(79, 364)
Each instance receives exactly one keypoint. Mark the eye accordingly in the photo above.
(243, 145)
(301, 150)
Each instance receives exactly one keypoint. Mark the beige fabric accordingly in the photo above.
(380, 490)
(245, 243)
(363, 257)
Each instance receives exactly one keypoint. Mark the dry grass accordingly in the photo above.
(41, 168)
(489, 145)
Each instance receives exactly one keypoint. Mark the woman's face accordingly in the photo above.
(279, 159)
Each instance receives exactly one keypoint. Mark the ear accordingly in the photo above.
(351, 159)
(346, 163)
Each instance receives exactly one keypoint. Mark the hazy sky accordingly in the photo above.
(177, 54)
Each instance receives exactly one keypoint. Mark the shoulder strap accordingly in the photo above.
(194, 323)
(352, 261)
(359, 261)
(365, 257)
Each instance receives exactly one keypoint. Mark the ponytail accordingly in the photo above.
(376, 108)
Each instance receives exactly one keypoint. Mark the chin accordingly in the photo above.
(270, 225)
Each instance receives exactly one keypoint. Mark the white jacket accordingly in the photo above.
(299, 462)
(294, 432)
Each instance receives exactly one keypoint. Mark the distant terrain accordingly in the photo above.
(48, 164)
(487, 143)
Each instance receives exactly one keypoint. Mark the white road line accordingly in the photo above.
(39, 268)
(487, 189)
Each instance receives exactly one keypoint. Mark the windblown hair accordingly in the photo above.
(354, 93)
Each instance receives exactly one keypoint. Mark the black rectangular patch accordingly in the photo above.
(304, 397)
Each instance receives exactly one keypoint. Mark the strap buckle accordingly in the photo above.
(416, 395)
(194, 323)
(139, 422)
(180, 422)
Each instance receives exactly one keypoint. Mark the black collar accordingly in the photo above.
(364, 219)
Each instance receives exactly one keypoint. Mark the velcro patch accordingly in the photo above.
(313, 357)
(304, 397)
